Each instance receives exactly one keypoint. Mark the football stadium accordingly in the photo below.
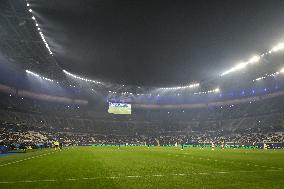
(141, 94)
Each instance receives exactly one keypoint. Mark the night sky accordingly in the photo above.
(158, 42)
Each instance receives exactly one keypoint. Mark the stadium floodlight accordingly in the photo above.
(278, 47)
(241, 65)
(275, 74)
(235, 68)
(38, 76)
(216, 90)
(81, 78)
(32, 73)
(193, 85)
(40, 33)
(254, 59)
(260, 78)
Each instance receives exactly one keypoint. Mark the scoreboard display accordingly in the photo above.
(119, 108)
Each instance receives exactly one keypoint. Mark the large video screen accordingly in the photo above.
(119, 108)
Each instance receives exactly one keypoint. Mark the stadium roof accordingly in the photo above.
(21, 43)
(81, 37)
(158, 43)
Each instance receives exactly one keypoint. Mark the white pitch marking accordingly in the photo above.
(93, 178)
(113, 177)
(222, 172)
(203, 173)
(121, 177)
(71, 179)
(28, 158)
(28, 181)
(133, 176)
(272, 170)
(48, 180)
(6, 182)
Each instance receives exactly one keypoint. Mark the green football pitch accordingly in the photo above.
(142, 167)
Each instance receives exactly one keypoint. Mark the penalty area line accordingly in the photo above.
(28, 158)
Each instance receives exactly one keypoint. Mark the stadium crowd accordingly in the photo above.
(37, 124)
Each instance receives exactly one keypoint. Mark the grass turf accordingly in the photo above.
(141, 167)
